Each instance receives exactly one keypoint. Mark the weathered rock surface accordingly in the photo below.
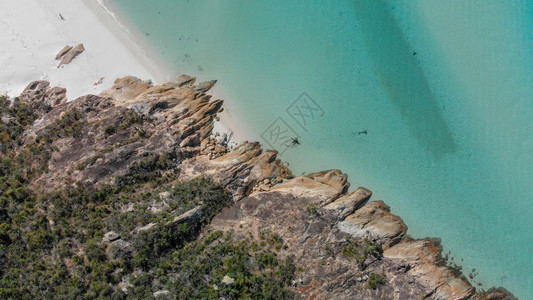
(495, 294)
(205, 86)
(228, 280)
(323, 187)
(185, 80)
(347, 204)
(425, 265)
(191, 217)
(163, 294)
(141, 120)
(63, 51)
(317, 241)
(374, 220)
(312, 217)
(68, 53)
(111, 236)
(41, 91)
(240, 170)
(147, 227)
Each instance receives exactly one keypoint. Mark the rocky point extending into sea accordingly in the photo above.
(345, 245)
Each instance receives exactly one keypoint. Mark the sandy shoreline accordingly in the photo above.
(33, 32)
(229, 123)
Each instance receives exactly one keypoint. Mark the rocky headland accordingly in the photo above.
(343, 244)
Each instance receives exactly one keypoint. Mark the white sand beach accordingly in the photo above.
(34, 31)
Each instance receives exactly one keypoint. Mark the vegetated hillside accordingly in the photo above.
(136, 232)
(127, 195)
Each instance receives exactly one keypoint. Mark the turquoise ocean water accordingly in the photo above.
(444, 90)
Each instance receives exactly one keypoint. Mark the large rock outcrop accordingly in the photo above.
(317, 236)
(374, 220)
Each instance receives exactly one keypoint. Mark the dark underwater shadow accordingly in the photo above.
(396, 65)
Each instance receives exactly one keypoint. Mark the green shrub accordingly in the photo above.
(109, 130)
(350, 250)
(372, 248)
(375, 280)
(130, 118)
(362, 250)
(265, 259)
(312, 208)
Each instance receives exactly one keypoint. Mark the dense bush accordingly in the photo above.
(51, 243)
(375, 280)
(145, 171)
(361, 250)
(15, 116)
(201, 266)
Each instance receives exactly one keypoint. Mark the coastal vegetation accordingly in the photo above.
(85, 241)
(361, 250)
(375, 280)
(98, 200)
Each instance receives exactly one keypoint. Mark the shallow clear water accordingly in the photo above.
(444, 90)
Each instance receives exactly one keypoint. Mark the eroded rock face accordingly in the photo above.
(130, 121)
(63, 51)
(347, 204)
(339, 239)
(240, 170)
(68, 53)
(317, 239)
(374, 220)
(185, 80)
(41, 91)
(424, 260)
(323, 187)
(495, 294)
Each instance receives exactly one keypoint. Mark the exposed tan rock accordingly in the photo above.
(63, 51)
(347, 204)
(424, 260)
(240, 170)
(70, 54)
(177, 120)
(228, 280)
(163, 294)
(374, 219)
(56, 96)
(110, 236)
(323, 187)
(495, 294)
(40, 91)
(205, 86)
(6, 118)
(185, 80)
(126, 89)
(100, 81)
(334, 178)
(147, 227)
(191, 216)
(317, 243)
